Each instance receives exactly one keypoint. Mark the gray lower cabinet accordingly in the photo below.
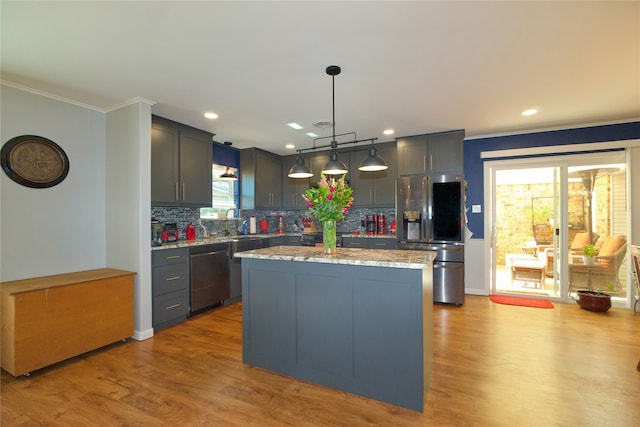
(361, 329)
(374, 188)
(284, 241)
(181, 158)
(431, 153)
(369, 242)
(170, 286)
(235, 264)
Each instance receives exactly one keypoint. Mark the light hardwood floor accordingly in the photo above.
(494, 365)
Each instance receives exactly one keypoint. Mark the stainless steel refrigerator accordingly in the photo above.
(430, 216)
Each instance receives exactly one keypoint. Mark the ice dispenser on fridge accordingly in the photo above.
(411, 222)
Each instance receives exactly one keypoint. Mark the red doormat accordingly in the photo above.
(524, 302)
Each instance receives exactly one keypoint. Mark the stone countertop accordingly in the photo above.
(348, 256)
(218, 239)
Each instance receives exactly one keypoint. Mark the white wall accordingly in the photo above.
(59, 229)
(128, 201)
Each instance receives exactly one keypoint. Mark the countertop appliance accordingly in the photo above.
(170, 232)
(209, 276)
(156, 232)
(430, 210)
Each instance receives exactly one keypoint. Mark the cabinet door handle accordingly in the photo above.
(374, 195)
(184, 190)
(177, 198)
(172, 306)
(168, 279)
(424, 163)
(430, 162)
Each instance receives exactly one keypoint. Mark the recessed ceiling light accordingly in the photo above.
(323, 124)
(388, 132)
(295, 126)
(311, 134)
(290, 146)
(211, 115)
(529, 112)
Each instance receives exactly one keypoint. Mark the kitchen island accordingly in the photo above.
(359, 321)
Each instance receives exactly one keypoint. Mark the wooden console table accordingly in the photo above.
(49, 319)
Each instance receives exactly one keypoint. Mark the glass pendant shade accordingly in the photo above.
(300, 170)
(334, 166)
(373, 162)
(228, 175)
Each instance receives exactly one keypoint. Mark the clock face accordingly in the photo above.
(34, 161)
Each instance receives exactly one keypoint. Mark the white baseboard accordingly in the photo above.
(142, 335)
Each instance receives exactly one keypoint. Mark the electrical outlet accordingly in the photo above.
(476, 208)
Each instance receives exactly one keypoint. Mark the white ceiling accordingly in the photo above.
(416, 67)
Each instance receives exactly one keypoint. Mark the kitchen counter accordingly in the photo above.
(345, 256)
(217, 239)
(360, 321)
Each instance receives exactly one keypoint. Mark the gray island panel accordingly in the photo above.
(359, 328)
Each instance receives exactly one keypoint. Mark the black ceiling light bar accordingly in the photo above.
(335, 167)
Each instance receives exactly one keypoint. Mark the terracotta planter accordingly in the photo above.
(593, 301)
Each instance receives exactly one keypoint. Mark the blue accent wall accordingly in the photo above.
(474, 165)
(223, 155)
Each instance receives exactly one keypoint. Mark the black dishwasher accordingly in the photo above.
(209, 276)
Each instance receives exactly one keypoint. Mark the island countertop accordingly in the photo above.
(346, 256)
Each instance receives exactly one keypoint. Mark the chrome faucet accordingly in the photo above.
(205, 232)
(226, 222)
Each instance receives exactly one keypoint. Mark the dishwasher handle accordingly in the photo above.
(209, 253)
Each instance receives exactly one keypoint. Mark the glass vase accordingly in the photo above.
(329, 237)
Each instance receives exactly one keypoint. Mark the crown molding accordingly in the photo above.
(552, 128)
(126, 103)
(50, 95)
(132, 101)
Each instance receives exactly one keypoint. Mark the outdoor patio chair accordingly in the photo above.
(580, 240)
(603, 275)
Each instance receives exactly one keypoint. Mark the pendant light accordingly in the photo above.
(373, 162)
(228, 175)
(334, 166)
(300, 170)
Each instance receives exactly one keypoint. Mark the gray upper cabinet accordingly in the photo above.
(181, 159)
(374, 188)
(317, 161)
(432, 153)
(293, 188)
(260, 179)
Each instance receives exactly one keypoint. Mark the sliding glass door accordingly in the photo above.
(527, 229)
(543, 211)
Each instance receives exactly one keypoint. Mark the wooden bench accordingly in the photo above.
(49, 319)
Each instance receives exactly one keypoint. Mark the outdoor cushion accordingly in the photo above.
(611, 245)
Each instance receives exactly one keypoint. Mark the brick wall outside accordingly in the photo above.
(517, 216)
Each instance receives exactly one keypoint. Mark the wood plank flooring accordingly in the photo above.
(494, 365)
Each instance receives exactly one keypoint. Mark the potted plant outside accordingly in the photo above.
(589, 255)
(594, 300)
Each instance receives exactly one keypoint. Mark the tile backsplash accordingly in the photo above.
(292, 219)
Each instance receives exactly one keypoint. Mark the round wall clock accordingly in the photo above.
(34, 161)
